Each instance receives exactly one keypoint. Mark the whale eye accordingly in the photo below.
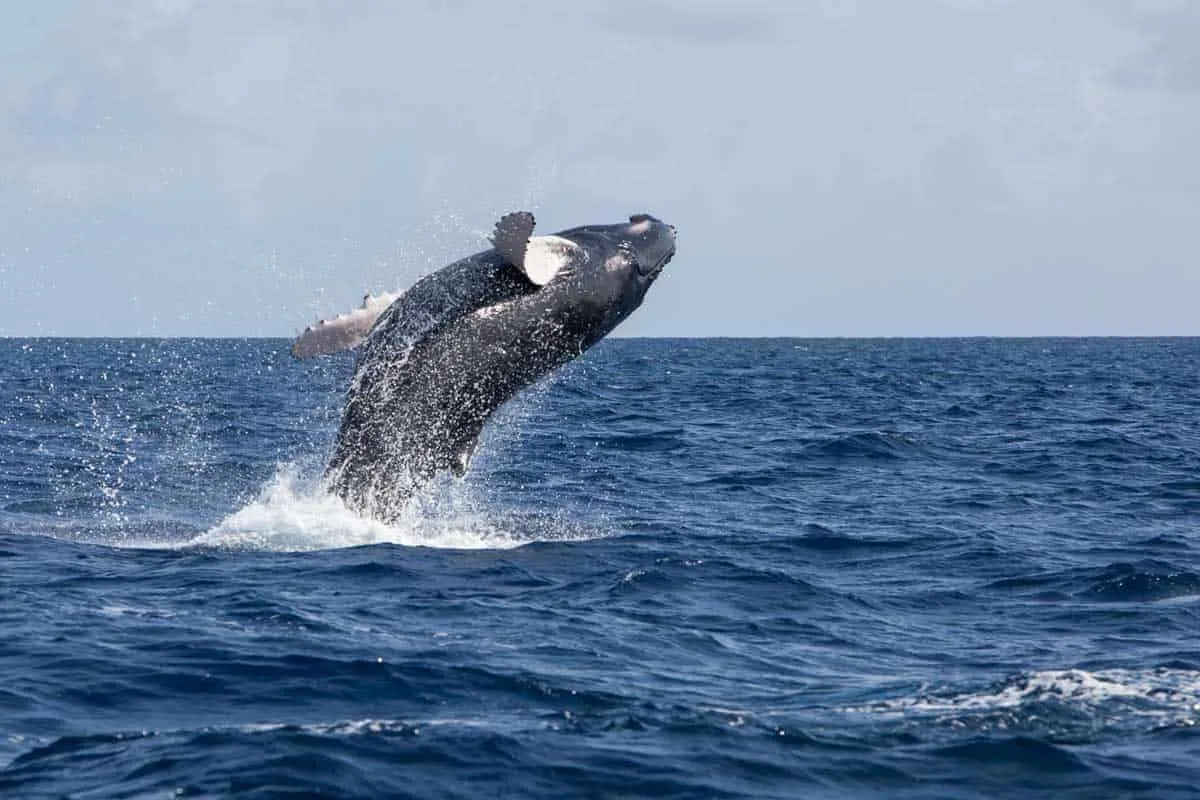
(625, 257)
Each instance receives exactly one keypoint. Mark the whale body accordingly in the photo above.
(458, 344)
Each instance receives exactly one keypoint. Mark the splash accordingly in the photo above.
(292, 514)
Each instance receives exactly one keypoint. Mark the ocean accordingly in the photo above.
(694, 568)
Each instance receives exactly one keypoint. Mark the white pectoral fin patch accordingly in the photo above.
(344, 331)
(546, 256)
(539, 258)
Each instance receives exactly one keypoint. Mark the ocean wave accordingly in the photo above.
(449, 756)
(1144, 581)
(864, 445)
(1057, 702)
(659, 441)
(1147, 580)
(820, 538)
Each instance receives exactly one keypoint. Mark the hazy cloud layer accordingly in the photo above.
(835, 168)
(1170, 59)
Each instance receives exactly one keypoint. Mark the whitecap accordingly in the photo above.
(1163, 696)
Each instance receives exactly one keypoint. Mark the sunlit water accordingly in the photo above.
(694, 568)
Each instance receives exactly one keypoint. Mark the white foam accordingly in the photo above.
(291, 514)
(1168, 695)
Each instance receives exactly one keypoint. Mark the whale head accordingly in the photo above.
(619, 264)
(652, 243)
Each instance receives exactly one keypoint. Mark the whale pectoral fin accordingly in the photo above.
(547, 256)
(342, 332)
(511, 236)
(539, 258)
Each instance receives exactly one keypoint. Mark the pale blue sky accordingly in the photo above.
(934, 167)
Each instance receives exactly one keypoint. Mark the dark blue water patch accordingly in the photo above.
(1013, 759)
(866, 445)
(1142, 581)
(650, 441)
(1186, 489)
(1164, 542)
(359, 760)
(822, 539)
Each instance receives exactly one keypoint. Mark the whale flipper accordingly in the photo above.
(344, 331)
(547, 256)
(511, 237)
(539, 258)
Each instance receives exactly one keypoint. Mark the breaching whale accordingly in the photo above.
(440, 358)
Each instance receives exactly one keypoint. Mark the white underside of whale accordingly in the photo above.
(343, 331)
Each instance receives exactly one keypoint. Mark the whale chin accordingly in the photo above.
(654, 271)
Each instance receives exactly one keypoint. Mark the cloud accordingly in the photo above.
(957, 175)
(693, 22)
(1170, 57)
(270, 112)
(232, 164)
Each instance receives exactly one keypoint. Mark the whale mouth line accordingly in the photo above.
(653, 271)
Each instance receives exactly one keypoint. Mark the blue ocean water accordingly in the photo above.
(681, 568)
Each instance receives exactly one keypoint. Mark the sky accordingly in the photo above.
(833, 167)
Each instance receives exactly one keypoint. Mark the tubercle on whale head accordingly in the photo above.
(651, 243)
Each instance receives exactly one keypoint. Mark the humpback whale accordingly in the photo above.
(436, 361)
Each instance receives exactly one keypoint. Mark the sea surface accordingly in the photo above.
(680, 568)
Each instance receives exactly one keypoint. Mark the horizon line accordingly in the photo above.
(726, 337)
